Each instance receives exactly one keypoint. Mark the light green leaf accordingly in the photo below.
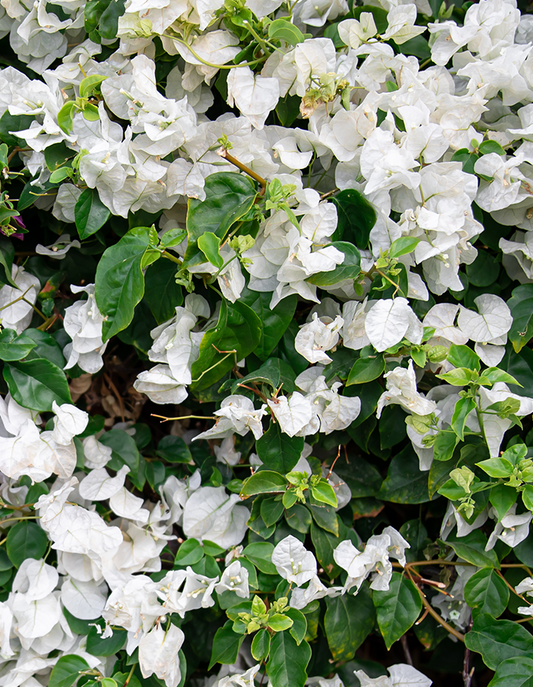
(288, 661)
(67, 670)
(36, 384)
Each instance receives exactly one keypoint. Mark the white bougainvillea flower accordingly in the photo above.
(99, 485)
(85, 600)
(16, 303)
(293, 413)
(158, 654)
(512, 529)
(59, 249)
(97, 455)
(83, 323)
(68, 422)
(255, 95)
(387, 322)
(401, 21)
(237, 415)
(210, 513)
(318, 336)
(401, 675)
(402, 390)
(234, 579)
(492, 321)
(160, 386)
(293, 561)
(226, 452)
(242, 679)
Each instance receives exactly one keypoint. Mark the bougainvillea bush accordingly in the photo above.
(266, 308)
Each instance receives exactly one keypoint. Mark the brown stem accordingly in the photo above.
(432, 611)
(467, 671)
(513, 589)
(406, 652)
(244, 168)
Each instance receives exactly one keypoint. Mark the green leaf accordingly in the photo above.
(499, 468)
(25, 540)
(461, 376)
(65, 116)
(403, 246)
(471, 548)
(349, 269)
(366, 370)
(486, 591)
(502, 498)
(356, 217)
(278, 451)
(494, 374)
(45, 347)
(124, 452)
(521, 305)
(263, 482)
(120, 281)
(279, 622)
(498, 640)
(444, 445)
(298, 629)
(89, 84)
(174, 450)
(36, 384)
(463, 408)
(404, 482)
(288, 661)
(261, 645)
(209, 244)
(275, 372)
(226, 645)
(397, 609)
(13, 347)
(348, 622)
(90, 213)
(271, 510)
(7, 254)
(238, 329)
(462, 356)
(275, 321)
(229, 196)
(514, 672)
(323, 492)
(283, 30)
(12, 123)
(161, 292)
(59, 175)
(67, 670)
(108, 24)
(488, 147)
(260, 554)
(97, 646)
(288, 109)
(189, 553)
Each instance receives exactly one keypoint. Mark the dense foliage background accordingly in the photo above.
(266, 309)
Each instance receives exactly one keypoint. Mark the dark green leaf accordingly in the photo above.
(471, 548)
(299, 624)
(189, 553)
(498, 640)
(161, 292)
(261, 645)
(260, 554)
(397, 609)
(105, 647)
(13, 347)
(275, 321)
(463, 408)
(356, 217)
(521, 304)
(25, 540)
(486, 591)
(90, 213)
(288, 661)
(283, 30)
(348, 622)
(349, 269)
(36, 384)
(67, 670)
(236, 335)
(405, 483)
(278, 451)
(226, 645)
(366, 370)
(174, 450)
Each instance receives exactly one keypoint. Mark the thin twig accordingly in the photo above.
(406, 652)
